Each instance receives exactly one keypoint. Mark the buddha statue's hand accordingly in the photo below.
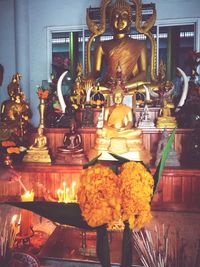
(121, 129)
(118, 126)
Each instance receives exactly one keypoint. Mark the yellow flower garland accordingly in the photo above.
(105, 197)
(136, 191)
(99, 195)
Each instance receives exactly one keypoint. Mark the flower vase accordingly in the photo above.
(41, 110)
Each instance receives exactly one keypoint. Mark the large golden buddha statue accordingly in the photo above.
(118, 135)
(130, 53)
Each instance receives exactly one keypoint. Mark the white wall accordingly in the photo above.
(40, 14)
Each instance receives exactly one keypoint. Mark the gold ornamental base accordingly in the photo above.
(37, 156)
(166, 122)
(131, 149)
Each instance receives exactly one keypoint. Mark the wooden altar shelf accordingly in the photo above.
(179, 189)
(151, 138)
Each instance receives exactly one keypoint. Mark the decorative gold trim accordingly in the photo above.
(96, 30)
(145, 29)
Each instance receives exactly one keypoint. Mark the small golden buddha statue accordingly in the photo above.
(118, 135)
(165, 118)
(40, 142)
(38, 151)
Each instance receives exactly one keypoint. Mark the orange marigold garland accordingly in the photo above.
(99, 195)
(136, 192)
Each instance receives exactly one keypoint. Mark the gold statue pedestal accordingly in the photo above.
(39, 156)
(166, 122)
(70, 157)
(131, 149)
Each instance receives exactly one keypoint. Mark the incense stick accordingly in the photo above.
(19, 180)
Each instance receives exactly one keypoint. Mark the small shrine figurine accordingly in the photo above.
(173, 159)
(98, 99)
(16, 109)
(88, 116)
(38, 151)
(79, 95)
(164, 98)
(144, 120)
(72, 151)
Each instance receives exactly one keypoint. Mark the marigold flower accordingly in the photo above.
(12, 150)
(136, 192)
(99, 195)
(43, 93)
(8, 143)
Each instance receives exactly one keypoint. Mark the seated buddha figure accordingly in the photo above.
(72, 141)
(129, 52)
(72, 151)
(118, 135)
(165, 118)
(40, 142)
(38, 151)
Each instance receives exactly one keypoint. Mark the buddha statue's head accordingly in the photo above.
(40, 131)
(120, 17)
(118, 96)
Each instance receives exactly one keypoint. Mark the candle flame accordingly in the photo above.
(14, 218)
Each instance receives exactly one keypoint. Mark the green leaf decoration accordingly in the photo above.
(119, 158)
(126, 260)
(163, 159)
(102, 246)
(114, 168)
(63, 213)
(91, 162)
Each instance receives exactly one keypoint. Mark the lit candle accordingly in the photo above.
(67, 198)
(64, 191)
(26, 216)
(73, 191)
(60, 195)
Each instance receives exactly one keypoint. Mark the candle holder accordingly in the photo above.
(41, 111)
(26, 228)
(24, 240)
(43, 95)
